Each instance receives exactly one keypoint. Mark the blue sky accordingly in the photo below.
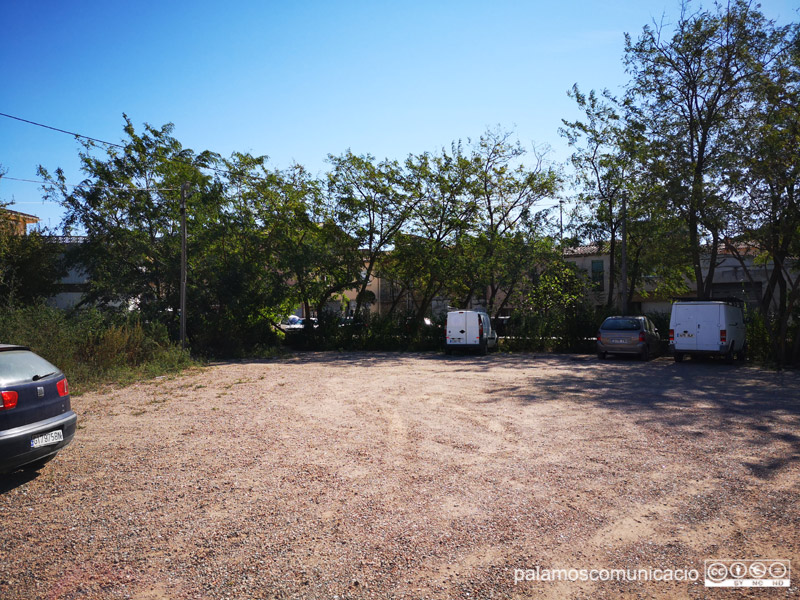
(300, 80)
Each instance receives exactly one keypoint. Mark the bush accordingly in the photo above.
(92, 347)
(567, 329)
(397, 332)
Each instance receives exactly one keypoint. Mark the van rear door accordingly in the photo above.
(457, 327)
(684, 327)
(708, 327)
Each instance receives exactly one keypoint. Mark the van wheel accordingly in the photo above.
(729, 356)
(742, 354)
(484, 348)
(678, 357)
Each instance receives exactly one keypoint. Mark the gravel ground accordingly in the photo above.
(356, 475)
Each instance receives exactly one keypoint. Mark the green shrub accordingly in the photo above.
(92, 347)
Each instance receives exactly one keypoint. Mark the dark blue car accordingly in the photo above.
(36, 420)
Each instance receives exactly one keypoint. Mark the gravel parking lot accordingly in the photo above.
(356, 475)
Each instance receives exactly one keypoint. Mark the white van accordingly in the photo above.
(469, 330)
(710, 327)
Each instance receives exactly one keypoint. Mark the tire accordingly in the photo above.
(448, 350)
(645, 355)
(729, 356)
(601, 355)
(741, 356)
(678, 357)
(484, 348)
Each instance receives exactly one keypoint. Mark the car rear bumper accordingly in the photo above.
(15, 444)
(722, 351)
(637, 348)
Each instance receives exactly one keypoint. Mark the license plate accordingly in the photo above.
(618, 341)
(46, 439)
(686, 335)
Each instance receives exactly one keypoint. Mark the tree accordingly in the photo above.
(424, 256)
(766, 179)
(238, 287)
(370, 205)
(692, 92)
(322, 259)
(606, 163)
(128, 208)
(506, 194)
(30, 265)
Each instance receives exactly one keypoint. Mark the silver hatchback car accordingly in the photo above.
(627, 335)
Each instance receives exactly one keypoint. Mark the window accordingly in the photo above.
(597, 275)
(17, 366)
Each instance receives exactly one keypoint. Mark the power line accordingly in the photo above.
(91, 186)
(86, 137)
(99, 141)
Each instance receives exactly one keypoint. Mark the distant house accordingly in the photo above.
(18, 221)
(731, 279)
(595, 261)
(72, 288)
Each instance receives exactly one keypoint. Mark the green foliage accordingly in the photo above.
(507, 195)
(129, 211)
(92, 347)
(692, 91)
(30, 266)
(759, 342)
(553, 314)
(394, 332)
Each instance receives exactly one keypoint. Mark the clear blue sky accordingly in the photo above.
(300, 80)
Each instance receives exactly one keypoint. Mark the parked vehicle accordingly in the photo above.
(295, 323)
(469, 330)
(707, 327)
(36, 420)
(627, 335)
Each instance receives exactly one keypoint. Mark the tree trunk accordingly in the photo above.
(712, 265)
(612, 263)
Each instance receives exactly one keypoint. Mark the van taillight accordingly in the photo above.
(63, 387)
(9, 399)
(671, 335)
(480, 328)
(723, 335)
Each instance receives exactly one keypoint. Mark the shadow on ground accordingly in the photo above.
(11, 481)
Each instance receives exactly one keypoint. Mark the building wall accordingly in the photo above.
(17, 221)
(730, 280)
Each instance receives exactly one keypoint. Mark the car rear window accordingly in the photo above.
(17, 366)
(621, 324)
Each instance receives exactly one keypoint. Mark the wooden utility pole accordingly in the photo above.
(624, 266)
(184, 195)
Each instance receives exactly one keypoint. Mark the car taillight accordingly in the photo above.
(599, 337)
(9, 399)
(723, 335)
(63, 387)
(642, 337)
(671, 335)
